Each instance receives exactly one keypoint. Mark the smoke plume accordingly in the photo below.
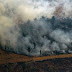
(36, 27)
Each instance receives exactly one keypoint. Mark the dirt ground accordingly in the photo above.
(50, 65)
(10, 62)
(6, 57)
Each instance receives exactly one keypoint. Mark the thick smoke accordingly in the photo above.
(34, 27)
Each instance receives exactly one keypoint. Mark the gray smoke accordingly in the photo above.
(30, 26)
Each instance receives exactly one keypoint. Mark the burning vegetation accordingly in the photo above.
(36, 28)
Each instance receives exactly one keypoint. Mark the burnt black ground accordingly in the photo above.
(52, 65)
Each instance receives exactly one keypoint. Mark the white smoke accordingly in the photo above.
(22, 26)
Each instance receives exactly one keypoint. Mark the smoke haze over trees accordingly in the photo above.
(30, 26)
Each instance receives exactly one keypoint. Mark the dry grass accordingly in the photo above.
(13, 58)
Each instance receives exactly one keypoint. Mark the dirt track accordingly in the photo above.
(12, 58)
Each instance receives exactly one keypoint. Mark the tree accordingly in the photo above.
(29, 49)
(40, 52)
(53, 19)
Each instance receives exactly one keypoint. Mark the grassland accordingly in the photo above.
(13, 58)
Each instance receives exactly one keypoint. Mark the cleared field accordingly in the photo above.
(12, 58)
